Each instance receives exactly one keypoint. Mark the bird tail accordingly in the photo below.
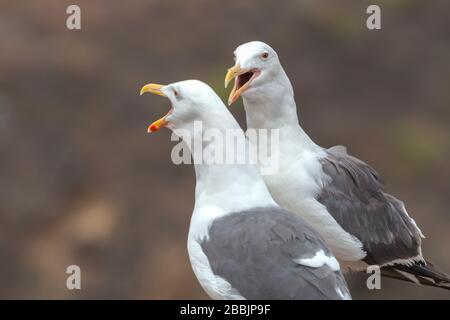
(424, 273)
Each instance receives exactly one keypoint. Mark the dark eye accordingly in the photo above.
(264, 55)
(175, 92)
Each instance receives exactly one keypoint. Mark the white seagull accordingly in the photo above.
(339, 195)
(241, 244)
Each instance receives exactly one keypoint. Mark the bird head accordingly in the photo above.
(256, 66)
(190, 100)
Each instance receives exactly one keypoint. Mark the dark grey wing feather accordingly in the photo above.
(355, 198)
(255, 251)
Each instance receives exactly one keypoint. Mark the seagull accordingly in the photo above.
(241, 244)
(341, 196)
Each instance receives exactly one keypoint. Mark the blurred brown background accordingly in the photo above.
(82, 183)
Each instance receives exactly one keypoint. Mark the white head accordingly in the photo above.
(191, 100)
(262, 82)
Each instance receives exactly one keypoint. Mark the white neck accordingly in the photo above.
(272, 106)
(230, 187)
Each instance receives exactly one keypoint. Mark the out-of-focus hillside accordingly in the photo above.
(82, 183)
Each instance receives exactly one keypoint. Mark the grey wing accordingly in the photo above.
(355, 198)
(256, 252)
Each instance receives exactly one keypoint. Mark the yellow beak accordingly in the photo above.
(232, 74)
(158, 124)
(155, 89)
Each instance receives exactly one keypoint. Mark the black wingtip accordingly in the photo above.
(424, 273)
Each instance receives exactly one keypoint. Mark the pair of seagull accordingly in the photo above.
(277, 236)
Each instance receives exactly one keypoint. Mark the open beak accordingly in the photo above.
(155, 89)
(243, 78)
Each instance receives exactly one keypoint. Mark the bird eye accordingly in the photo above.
(175, 92)
(264, 55)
